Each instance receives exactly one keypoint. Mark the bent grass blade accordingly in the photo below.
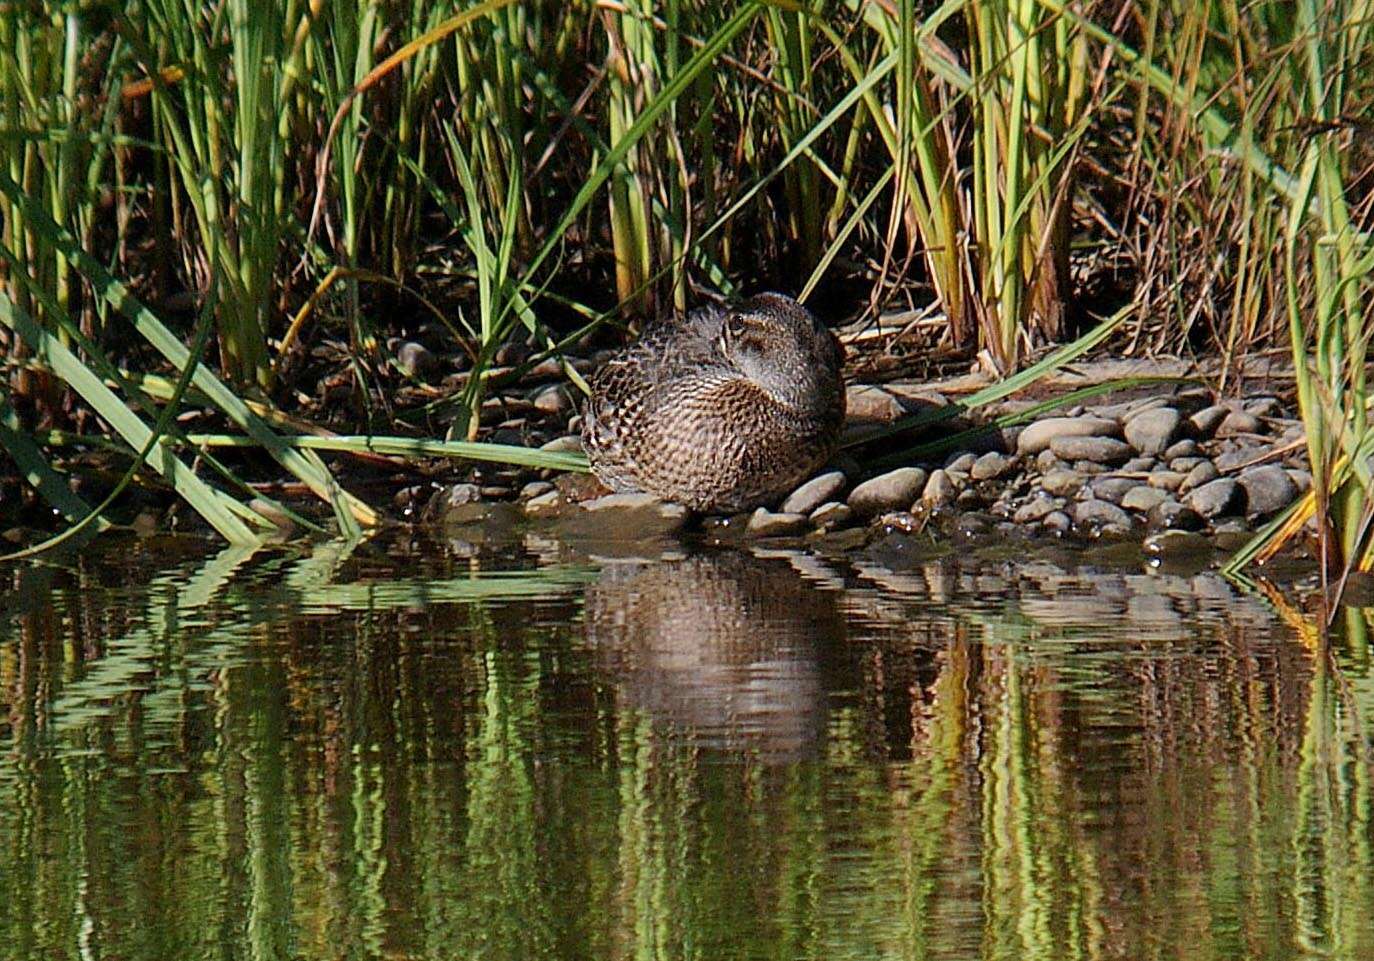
(49, 483)
(1004, 388)
(415, 447)
(211, 504)
(307, 467)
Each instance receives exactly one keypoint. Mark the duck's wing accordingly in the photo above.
(626, 398)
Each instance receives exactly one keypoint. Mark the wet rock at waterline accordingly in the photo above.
(815, 492)
(545, 504)
(1061, 483)
(1037, 509)
(765, 523)
(1100, 516)
(1268, 489)
(1218, 497)
(447, 500)
(535, 488)
(896, 490)
(1171, 515)
(990, 466)
(940, 490)
(1112, 489)
(1177, 545)
(633, 501)
(1057, 523)
(629, 519)
(831, 515)
(1143, 498)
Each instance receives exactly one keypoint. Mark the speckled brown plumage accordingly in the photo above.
(722, 411)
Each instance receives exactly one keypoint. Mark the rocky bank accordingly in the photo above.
(1182, 467)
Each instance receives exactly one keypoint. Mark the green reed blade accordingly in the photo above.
(205, 500)
(1005, 387)
(842, 235)
(305, 466)
(1226, 136)
(963, 437)
(655, 108)
(415, 447)
(37, 471)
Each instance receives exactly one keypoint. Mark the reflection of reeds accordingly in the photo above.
(217, 761)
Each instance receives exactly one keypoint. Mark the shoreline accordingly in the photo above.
(1138, 463)
(1177, 471)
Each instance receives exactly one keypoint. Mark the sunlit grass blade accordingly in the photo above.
(162, 427)
(855, 218)
(1224, 135)
(654, 109)
(964, 437)
(406, 52)
(1328, 273)
(415, 447)
(211, 504)
(1273, 536)
(305, 466)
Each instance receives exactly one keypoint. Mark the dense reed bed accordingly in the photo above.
(258, 179)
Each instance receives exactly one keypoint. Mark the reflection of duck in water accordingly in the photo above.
(723, 411)
(723, 644)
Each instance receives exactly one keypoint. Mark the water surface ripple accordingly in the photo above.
(523, 750)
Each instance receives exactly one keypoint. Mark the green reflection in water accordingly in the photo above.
(405, 753)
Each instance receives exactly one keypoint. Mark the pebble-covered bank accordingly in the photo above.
(1183, 462)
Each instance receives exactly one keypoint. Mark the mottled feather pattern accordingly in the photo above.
(675, 415)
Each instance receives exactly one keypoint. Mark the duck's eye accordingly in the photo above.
(734, 327)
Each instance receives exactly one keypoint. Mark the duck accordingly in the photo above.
(722, 411)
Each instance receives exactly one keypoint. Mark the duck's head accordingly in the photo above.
(780, 345)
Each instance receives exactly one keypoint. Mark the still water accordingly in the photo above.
(525, 750)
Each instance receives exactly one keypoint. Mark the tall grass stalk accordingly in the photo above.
(920, 148)
(631, 80)
(349, 511)
(56, 140)
(794, 45)
(344, 47)
(1030, 83)
(227, 141)
(1330, 341)
(219, 510)
(1328, 270)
